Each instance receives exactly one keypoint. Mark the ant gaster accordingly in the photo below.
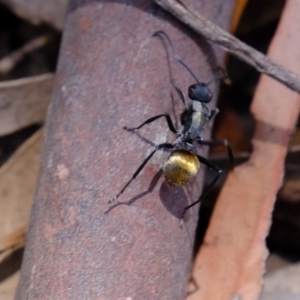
(183, 163)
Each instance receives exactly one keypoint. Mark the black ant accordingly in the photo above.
(183, 163)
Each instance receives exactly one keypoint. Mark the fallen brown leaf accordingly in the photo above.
(8, 287)
(283, 284)
(17, 185)
(39, 11)
(237, 14)
(14, 240)
(231, 262)
(24, 102)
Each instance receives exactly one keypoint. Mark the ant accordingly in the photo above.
(183, 163)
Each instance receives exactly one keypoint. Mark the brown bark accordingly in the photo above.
(111, 74)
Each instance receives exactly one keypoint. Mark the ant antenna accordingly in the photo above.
(216, 79)
(176, 56)
(225, 75)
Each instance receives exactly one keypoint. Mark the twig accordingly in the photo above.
(231, 44)
(8, 62)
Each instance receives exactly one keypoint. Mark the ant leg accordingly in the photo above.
(221, 143)
(140, 168)
(213, 112)
(207, 190)
(168, 119)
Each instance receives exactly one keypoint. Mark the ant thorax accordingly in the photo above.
(194, 120)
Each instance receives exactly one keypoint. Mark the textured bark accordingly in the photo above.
(111, 74)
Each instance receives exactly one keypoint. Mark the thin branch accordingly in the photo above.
(231, 44)
(8, 62)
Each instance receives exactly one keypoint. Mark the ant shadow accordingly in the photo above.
(150, 189)
(173, 199)
(145, 140)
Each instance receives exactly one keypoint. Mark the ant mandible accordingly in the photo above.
(183, 163)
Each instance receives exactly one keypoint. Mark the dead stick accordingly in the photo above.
(8, 62)
(231, 44)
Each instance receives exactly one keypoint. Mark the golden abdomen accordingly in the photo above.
(181, 167)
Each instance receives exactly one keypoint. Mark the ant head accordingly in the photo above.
(200, 92)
